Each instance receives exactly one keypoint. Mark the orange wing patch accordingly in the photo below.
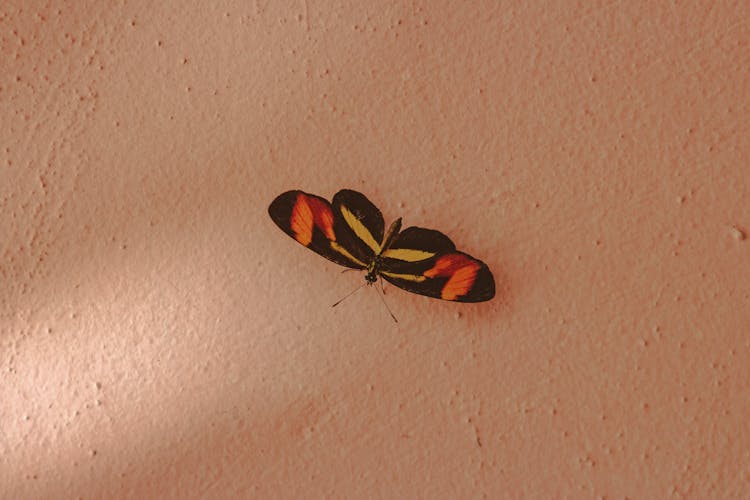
(302, 220)
(461, 272)
(322, 217)
(307, 213)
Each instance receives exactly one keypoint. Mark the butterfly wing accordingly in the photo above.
(426, 262)
(358, 224)
(312, 221)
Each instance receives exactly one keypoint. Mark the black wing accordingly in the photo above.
(426, 262)
(311, 221)
(358, 224)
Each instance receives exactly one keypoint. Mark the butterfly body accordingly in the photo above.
(373, 268)
(351, 232)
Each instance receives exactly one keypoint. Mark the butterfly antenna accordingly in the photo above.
(382, 298)
(350, 269)
(349, 294)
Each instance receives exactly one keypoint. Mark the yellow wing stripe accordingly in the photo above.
(360, 230)
(343, 251)
(407, 254)
(409, 277)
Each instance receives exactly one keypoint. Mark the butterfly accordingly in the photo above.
(350, 231)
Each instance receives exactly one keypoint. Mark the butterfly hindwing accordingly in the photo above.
(310, 220)
(426, 262)
(413, 249)
(358, 224)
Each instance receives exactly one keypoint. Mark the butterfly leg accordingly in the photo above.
(382, 297)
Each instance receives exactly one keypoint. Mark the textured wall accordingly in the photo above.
(160, 336)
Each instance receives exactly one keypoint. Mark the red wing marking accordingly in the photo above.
(461, 272)
(302, 220)
(307, 213)
(322, 217)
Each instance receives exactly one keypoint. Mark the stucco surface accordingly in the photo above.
(159, 335)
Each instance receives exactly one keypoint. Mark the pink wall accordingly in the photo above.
(160, 336)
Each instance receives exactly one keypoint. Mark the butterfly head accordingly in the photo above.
(371, 276)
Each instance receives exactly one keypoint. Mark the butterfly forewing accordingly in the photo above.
(426, 262)
(454, 276)
(310, 220)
